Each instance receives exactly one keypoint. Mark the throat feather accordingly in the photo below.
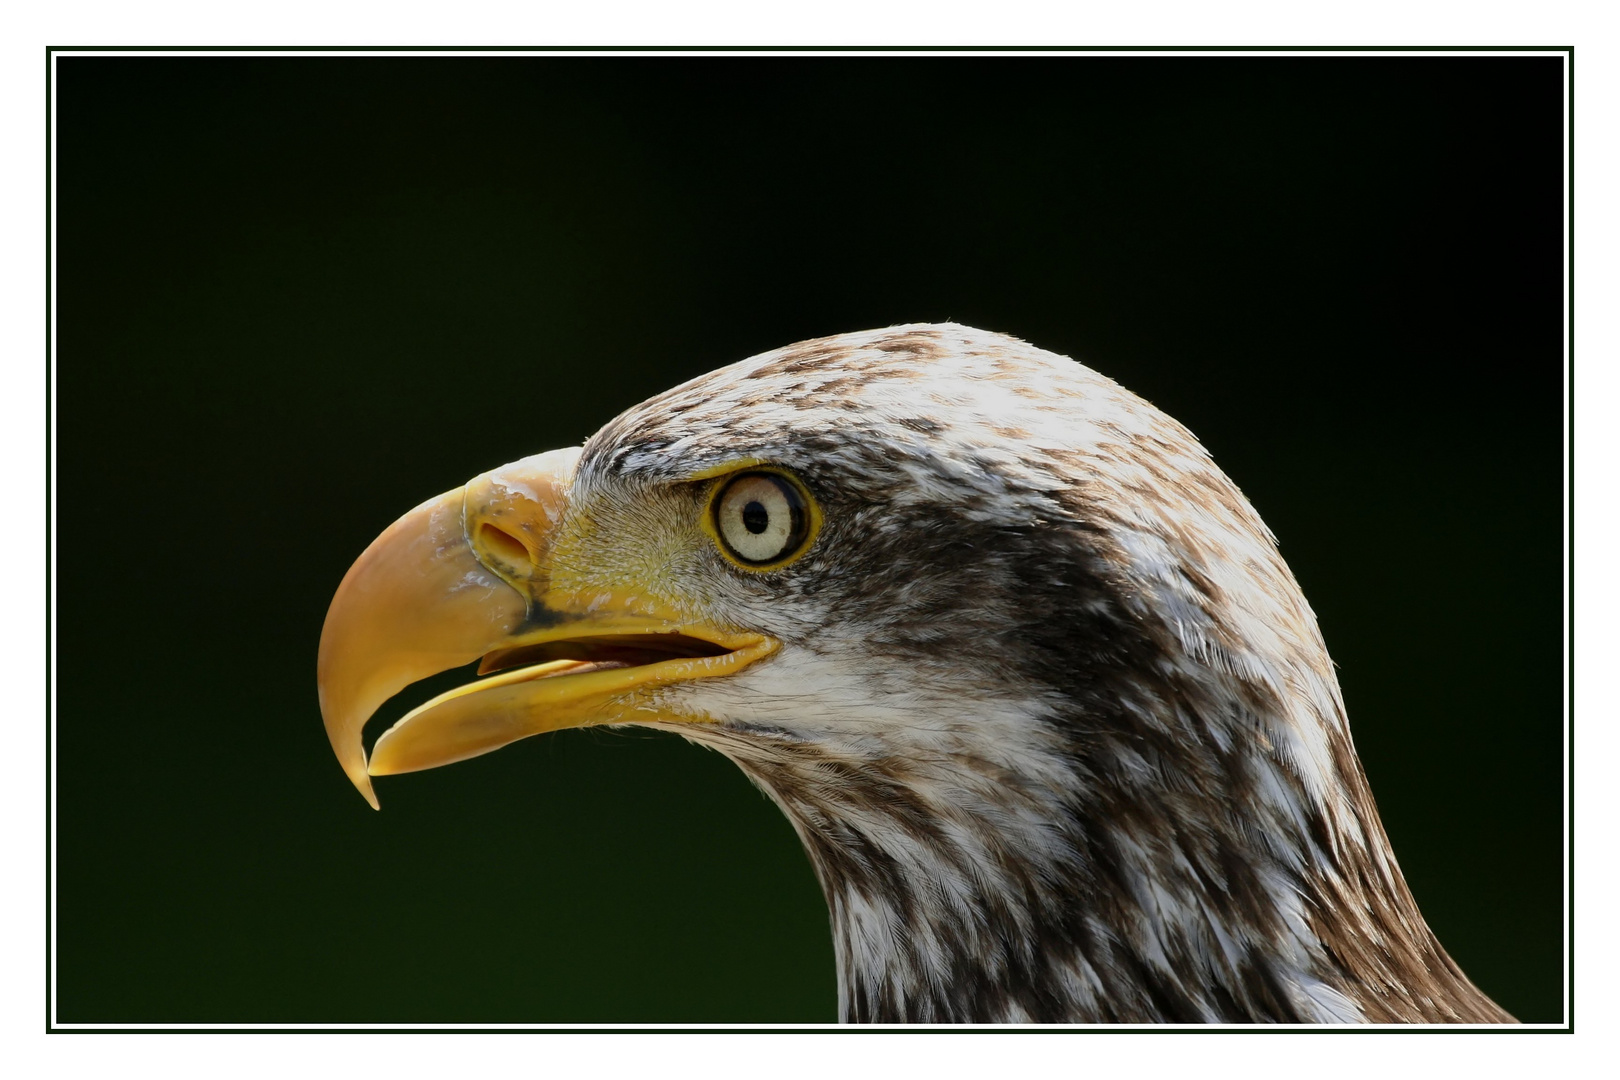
(1052, 884)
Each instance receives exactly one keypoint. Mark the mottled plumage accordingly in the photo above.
(1052, 717)
(1021, 665)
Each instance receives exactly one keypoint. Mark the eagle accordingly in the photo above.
(1021, 665)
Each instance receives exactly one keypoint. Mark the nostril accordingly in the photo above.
(502, 545)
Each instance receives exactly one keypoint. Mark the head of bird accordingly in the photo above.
(1021, 664)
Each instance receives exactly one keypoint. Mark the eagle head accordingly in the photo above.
(1021, 665)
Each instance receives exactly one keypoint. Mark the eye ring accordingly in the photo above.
(761, 520)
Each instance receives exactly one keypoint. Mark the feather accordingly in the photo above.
(1021, 665)
(1055, 723)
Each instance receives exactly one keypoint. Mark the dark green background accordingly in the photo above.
(298, 296)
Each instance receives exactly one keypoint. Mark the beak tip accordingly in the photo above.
(362, 784)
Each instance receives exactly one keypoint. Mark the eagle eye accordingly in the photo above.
(761, 519)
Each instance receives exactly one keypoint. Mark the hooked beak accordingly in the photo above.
(468, 575)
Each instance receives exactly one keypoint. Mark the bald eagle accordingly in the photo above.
(1021, 665)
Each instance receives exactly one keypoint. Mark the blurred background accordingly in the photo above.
(297, 296)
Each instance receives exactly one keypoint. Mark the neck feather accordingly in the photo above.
(1080, 875)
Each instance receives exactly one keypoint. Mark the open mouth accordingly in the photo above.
(610, 677)
(576, 656)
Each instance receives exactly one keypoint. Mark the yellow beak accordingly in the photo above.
(468, 575)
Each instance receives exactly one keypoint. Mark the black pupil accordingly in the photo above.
(755, 517)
